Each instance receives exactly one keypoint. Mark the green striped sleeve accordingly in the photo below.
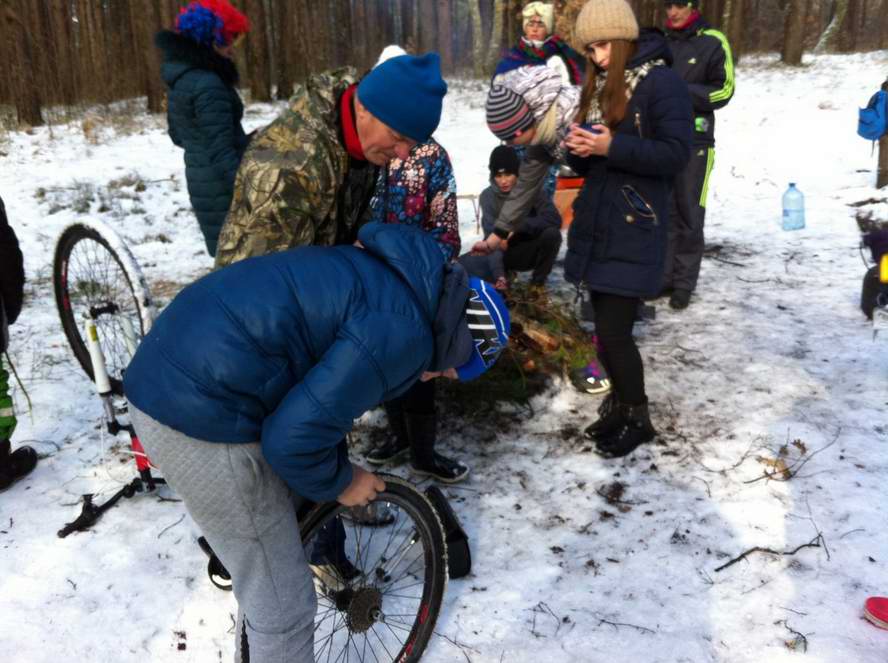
(727, 90)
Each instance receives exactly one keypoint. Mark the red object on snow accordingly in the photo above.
(876, 611)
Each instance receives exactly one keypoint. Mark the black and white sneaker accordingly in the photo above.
(391, 451)
(442, 469)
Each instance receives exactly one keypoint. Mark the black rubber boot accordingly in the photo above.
(424, 460)
(610, 419)
(397, 442)
(16, 464)
(680, 299)
(636, 430)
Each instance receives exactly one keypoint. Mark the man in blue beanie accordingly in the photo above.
(308, 177)
(248, 382)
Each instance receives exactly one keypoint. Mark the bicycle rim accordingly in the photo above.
(90, 277)
(388, 611)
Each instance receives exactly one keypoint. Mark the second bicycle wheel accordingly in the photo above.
(95, 275)
(380, 600)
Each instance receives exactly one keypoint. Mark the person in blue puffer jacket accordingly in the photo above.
(245, 387)
(204, 110)
(634, 137)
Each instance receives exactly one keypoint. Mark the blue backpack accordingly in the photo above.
(872, 121)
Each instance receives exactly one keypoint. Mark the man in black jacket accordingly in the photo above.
(702, 57)
(17, 464)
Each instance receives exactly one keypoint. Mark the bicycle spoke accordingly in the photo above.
(373, 628)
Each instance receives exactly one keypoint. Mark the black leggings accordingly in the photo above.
(419, 399)
(614, 318)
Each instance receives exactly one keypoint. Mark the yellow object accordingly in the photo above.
(883, 269)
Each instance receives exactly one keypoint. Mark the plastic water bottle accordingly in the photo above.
(793, 208)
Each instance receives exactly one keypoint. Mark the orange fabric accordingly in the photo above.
(566, 190)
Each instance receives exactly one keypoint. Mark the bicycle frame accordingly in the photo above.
(145, 481)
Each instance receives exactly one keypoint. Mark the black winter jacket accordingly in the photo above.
(617, 241)
(204, 116)
(12, 277)
(702, 57)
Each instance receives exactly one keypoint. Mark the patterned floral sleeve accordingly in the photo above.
(421, 191)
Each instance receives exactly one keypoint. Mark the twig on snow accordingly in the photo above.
(617, 625)
(791, 471)
(462, 647)
(169, 527)
(706, 483)
(816, 542)
(743, 458)
(859, 529)
(799, 641)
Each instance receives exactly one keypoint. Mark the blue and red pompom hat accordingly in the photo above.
(212, 22)
(489, 325)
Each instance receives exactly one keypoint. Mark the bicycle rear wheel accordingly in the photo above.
(95, 274)
(381, 602)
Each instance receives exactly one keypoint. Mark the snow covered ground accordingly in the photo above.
(772, 355)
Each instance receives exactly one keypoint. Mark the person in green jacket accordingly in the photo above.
(204, 111)
(13, 464)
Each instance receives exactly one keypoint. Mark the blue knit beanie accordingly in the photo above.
(406, 94)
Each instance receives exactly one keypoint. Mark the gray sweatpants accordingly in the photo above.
(247, 514)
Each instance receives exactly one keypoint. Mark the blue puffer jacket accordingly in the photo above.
(291, 347)
(204, 117)
(617, 241)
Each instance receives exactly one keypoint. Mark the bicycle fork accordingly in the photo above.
(91, 512)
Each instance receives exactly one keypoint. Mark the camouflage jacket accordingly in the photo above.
(297, 185)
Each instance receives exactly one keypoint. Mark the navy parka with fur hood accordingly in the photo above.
(291, 347)
(204, 116)
(617, 241)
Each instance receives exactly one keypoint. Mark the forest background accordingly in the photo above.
(64, 55)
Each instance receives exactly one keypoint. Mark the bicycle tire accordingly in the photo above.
(93, 268)
(401, 495)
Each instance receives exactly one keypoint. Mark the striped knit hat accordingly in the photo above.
(508, 115)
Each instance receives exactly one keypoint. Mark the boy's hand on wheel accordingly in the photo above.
(363, 488)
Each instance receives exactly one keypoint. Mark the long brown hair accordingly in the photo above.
(613, 96)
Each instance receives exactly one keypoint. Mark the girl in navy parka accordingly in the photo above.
(634, 132)
(205, 111)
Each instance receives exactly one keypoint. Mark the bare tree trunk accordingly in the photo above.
(828, 38)
(478, 50)
(567, 18)
(413, 41)
(847, 38)
(445, 35)
(284, 72)
(427, 33)
(882, 172)
(360, 39)
(145, 21)
(257, 52)
(883, 30)
(794, 33)
(24, 87)
(496, 33)
(733, 20)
